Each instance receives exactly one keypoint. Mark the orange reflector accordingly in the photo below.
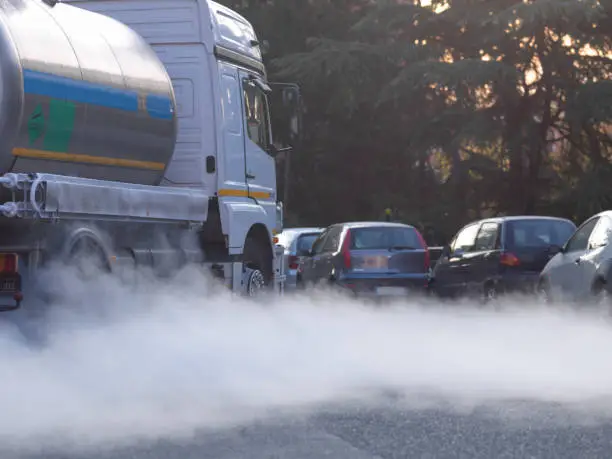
(8, 262)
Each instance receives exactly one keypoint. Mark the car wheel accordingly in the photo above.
(543, 292)
(489, 293)
(601, 295)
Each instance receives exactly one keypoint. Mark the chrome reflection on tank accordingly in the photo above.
(82, 95)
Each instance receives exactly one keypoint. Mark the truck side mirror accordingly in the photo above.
(285, 116)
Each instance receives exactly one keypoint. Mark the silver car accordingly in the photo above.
(297, 243)
(581, 270)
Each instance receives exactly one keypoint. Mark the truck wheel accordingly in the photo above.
(258, 261)
(88, 259)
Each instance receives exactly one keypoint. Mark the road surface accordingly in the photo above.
(387, 433)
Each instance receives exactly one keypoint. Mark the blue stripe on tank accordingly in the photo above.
(159, 106)
(58, 87)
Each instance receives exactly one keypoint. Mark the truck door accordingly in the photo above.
(260, 169)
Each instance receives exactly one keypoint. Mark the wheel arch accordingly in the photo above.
(260, 233)
(96, 237)
(241, 218)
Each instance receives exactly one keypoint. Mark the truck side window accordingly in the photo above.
(256, 113)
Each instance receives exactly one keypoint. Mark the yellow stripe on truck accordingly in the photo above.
(87, 159)
(244, 194)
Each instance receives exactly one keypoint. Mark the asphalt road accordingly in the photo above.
(388, 433)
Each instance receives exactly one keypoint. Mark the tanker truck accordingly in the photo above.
(138, 133)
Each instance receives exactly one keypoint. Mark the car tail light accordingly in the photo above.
(8, 263)
(346, 250)
(294, 262)
(509, 259)
(427, 256)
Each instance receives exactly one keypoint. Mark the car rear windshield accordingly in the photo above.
(538, 233)
(305, 241)
(372, 238)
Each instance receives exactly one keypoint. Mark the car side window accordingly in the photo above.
(317, 246)
(466, 239)
(600, 237)
(486, 239)
(333, 239)
(579, 241)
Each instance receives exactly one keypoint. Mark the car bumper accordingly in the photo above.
(525, 282)
(371, 286)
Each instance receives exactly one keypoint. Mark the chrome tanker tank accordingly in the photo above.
(81, 94)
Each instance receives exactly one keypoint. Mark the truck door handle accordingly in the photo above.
(250, 176)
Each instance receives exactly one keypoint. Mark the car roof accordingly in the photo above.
(510, 218)
(301, 230)
(289, 234)
(371, 224)
(607, 213)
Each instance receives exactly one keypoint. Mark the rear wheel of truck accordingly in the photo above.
(88, 258)
(257, 265)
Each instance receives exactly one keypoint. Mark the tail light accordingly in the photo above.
(509, 259)
(294, 262)
(427, 255)
(8, 263)
(346, 250)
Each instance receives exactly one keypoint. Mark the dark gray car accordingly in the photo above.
(369, 258)
(495, 255)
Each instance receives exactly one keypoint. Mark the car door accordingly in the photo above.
(325, 261)
(589, 262)
(308, 266)
(450, 271)
(260, 166)
(484, 260)
(563, 271)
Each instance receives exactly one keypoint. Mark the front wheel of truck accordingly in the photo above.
(257, 266)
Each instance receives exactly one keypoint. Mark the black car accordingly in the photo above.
(497, 255)
(368, 259)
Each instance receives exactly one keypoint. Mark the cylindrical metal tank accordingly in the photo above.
(81, 94)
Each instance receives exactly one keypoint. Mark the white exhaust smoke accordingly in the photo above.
(115, 363)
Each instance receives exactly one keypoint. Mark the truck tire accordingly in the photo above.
(88, 258)
(257, 258)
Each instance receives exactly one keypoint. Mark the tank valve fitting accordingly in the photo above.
(9, 209)
(10, 181)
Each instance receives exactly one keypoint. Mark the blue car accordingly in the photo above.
(368, 259)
